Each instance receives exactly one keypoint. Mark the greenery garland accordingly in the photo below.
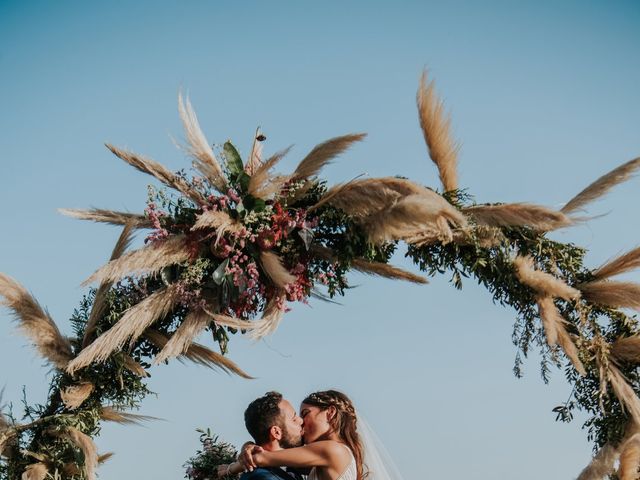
(237, 242)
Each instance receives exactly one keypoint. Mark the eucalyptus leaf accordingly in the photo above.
(242, 180)
(252, 203)
(234, 162)
(219, 274)
(306, 234)
(167, 275)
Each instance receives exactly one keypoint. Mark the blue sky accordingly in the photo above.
(544, 99)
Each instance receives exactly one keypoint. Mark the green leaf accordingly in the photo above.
(234, 162)
(252, 203)
(220, 272)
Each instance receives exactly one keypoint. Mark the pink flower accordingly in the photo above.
(231, 193)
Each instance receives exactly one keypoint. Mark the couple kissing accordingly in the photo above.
(324, 441)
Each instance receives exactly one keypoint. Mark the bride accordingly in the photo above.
(334, 448)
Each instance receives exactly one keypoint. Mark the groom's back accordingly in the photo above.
(272, 473)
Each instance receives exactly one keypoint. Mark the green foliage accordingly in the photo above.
(212, 454)
(492, 267)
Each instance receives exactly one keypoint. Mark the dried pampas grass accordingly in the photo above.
(227, 321)
(270, 317)
(4, 424)
(71, 469)
(5, 433)
(386, 271)
(262, 184)
(542, 282)
(220, 221)
(208, 358)
(88, 448)
(551, 319)
(35, 471)
(627, 397)
(621, 264)
(160, 172)
(412, 215)
(132, 324)
(110, 414)
(602, 464)
(601, 186)
(150, 259)
(483, 236)
(191, 326)
(518, 214)
(626, 349)
(255, 157)
(612, 294)
(322, 154)
(198, 354)
(629, 459)
(371, 268)
(556, 333)
(104, 457)
(35, 322)
(134, 367)
(436, 127)
(204, 159)
(570, 350)
(75, 395)
(108, 216)
(364, 197)
(99, 301)
(275, 270)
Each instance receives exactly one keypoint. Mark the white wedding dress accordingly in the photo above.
(349, 473)
(378, 464)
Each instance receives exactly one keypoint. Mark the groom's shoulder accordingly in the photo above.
(262, 474)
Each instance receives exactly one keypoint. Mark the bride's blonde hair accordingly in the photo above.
(343, 422)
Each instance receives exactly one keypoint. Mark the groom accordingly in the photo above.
(274, 425)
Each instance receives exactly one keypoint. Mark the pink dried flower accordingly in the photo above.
(231, 193)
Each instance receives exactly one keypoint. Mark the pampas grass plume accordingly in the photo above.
(518, 214)
(149, 259)
(323, 153)
(108, 216)
(630, 459)
(35, 322)
(275, 270)
(132, 324)
(35, 471)
(542, 282)
(204, 158)
(601, 465)
(612, 294)
(75, 395)
(602, 185)
(435, 126)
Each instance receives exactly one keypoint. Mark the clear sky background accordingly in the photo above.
(544, 97)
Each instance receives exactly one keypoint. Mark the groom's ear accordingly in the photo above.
(275, 432)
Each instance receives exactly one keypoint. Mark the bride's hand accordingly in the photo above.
(246, 456)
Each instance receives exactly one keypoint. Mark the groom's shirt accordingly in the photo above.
(270, 473)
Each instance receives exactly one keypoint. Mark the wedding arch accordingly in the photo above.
(228, 247)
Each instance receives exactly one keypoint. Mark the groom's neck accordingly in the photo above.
(272, 446)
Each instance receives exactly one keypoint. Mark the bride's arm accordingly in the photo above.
(317, 454)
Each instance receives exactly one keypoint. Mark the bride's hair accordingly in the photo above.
(343, 422)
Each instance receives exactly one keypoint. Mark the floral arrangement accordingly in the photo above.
(213, 453)
(235, 242)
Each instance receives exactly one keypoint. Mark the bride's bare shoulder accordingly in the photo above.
(331, 448)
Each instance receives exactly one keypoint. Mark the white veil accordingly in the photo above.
(377, 461)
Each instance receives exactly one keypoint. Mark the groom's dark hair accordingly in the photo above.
(262, 414)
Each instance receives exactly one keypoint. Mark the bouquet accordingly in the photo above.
(204, 463)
